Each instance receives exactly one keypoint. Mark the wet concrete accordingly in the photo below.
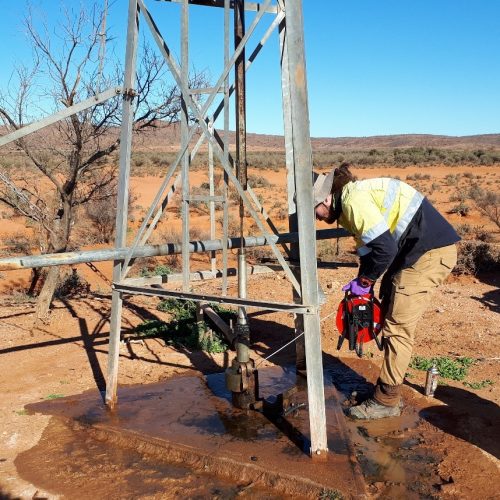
(190, 421)
(161, 433)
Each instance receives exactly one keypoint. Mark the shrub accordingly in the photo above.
(476, 257)
(461, 209)
(18, 243)
(258, 181)
(71, 285)
(452, 179)
(488, 203)
(159, 270)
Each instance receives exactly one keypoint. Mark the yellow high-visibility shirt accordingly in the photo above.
(373, 206)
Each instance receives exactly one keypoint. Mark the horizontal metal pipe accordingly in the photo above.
(196, 297)
(251, 6)
(68, 258)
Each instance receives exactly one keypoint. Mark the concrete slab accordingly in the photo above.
(190, 421)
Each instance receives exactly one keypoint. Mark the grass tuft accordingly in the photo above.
(454, 369)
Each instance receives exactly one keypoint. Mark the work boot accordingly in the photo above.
(371, 410)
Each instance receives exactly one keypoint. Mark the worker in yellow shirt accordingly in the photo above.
(398, 232)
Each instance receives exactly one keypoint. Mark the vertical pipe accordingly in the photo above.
(225, 216)
(213, 259)
(300, 360)
(240, 158)
(122, 198)
(184, 139)
(306, 223)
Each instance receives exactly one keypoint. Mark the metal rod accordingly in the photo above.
(235, 301)
(184, 142)
(122, 199)
(242, 348)
(225, 213)
(60, 115)
(212, 200)
(250, 6)
(300, 350)
(306, 223)
(102, 255)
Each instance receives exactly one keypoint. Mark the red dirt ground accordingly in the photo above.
(68, 354)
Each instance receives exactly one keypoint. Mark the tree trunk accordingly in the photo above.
(47, 293)
(35, 278)
(58, 242)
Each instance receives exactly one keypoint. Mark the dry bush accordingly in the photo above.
(466, 231)
(488, 203)
(260, 254)
(18, 243)
(71, 285)
(335, 250)
(476, 257)
(259, 181)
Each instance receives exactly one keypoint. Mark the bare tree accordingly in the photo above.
(70, 160)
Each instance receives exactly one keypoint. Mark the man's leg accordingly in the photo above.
(412, 289)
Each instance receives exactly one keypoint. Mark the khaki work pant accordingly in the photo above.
(411, 293)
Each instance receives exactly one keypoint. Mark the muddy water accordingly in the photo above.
(182, 438)
(392, 453)
(69, 462)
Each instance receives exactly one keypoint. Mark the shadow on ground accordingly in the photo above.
(466, 416)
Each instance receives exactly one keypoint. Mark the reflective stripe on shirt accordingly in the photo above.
(403, 221)
(390, 197)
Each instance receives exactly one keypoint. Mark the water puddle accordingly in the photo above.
(69, 462)
(182, 438)
(392, 453)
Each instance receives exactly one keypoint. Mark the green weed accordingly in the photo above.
(160, 270)
(454, 369)
(54, 396)
(479, 385)
(183, 330)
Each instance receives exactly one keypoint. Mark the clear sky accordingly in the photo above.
(374, 67)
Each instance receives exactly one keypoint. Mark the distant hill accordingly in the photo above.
(167, 137)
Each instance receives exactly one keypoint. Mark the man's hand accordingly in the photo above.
(358, 286)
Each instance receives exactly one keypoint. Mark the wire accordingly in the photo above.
(280, 349)
(291, 342)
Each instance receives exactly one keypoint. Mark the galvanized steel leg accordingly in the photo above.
(184, 140)
(306, 223)
(122, 199)
(300, 358)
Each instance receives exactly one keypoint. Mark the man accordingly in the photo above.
(398, 232)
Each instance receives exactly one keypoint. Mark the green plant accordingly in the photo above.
(454, 369)
(159, 270)
(479, 385)
(54, 396)
(452, 179)
(183, 329)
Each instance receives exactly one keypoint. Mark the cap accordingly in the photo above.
(322, 186)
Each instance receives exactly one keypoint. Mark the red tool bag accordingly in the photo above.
(359, 320)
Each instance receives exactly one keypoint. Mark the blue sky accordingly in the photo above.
(374, 68)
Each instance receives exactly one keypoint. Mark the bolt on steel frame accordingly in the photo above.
(302, 237)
